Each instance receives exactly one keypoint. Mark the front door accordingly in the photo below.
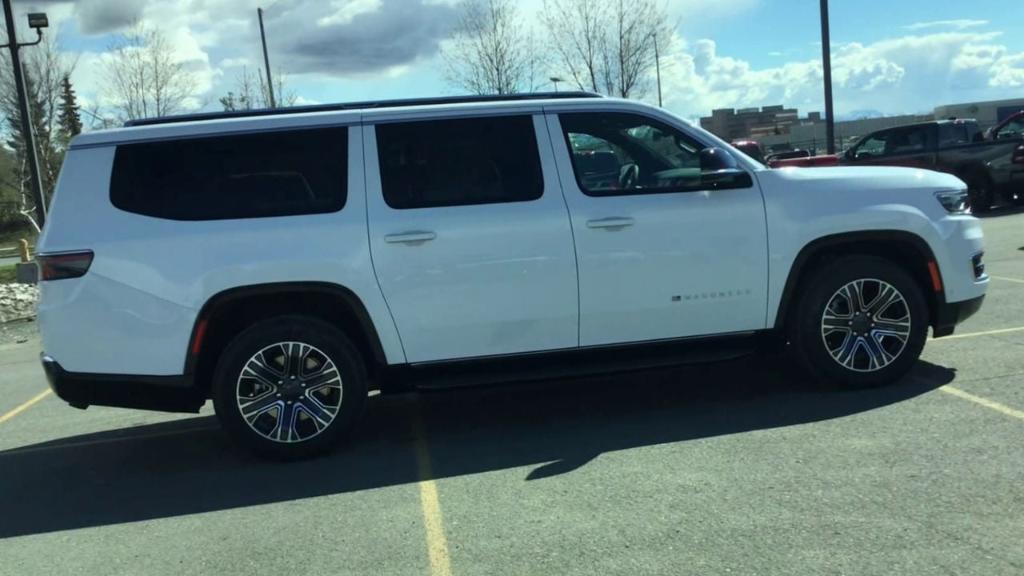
(660, 255)
(909, 146)
(470, 237)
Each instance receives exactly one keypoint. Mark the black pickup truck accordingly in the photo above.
(991, 164)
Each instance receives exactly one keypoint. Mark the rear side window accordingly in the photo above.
(238, 176)
(953, 134)
(435, 163)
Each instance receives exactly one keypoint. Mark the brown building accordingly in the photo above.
(732, 124)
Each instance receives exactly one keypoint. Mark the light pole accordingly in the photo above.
(826, 64)
(555, 80)
(38, 21)
(266, 59)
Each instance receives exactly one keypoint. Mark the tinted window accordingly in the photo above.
(908, 140)
(459, 162)
(953, 134)
(873, 146)
(224, 177)
(616, 154)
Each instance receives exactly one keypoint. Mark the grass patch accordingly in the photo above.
(10, 238)
(7, 274)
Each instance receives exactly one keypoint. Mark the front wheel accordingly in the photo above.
(289, 387)
(861, 322)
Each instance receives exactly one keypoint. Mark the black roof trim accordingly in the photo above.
(358, 106)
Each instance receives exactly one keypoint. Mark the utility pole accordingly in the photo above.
(826, 62)
(266, 59)
(657, 67)
(37, 21)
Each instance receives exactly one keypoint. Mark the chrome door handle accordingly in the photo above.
(410, 237)
(611, 223)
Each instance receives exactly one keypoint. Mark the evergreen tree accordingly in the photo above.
(68, 117)
(48, 155)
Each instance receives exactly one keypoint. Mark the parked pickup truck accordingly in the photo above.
(993, 168)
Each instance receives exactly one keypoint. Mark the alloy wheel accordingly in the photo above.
(866, 325)
(289, 392)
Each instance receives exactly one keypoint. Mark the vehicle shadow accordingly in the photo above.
(1000, 211)
(188, 467)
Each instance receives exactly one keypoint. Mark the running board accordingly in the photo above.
(562, 364)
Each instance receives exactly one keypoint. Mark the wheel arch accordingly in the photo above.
(227, 313)
(904, 248)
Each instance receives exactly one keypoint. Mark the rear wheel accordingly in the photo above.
(862, 322)
(289, 387)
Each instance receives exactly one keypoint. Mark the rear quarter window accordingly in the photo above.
(233, 176)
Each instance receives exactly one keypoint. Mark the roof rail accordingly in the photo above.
(202, 116)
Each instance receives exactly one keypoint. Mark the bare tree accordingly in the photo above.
(607, 47)
(45, 68)
(144, 78)
(492, 52)
(251, 92)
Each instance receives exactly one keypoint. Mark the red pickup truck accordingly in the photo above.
(991, 164)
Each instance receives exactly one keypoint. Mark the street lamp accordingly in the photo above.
(555, 80)
(37, 21)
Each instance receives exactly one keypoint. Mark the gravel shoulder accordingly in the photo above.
(17, 312)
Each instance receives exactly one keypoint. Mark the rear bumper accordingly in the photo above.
(950, 314)
(163, 393)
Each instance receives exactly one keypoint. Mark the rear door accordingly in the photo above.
(470, 237)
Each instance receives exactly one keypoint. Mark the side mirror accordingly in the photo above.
(715, 159)
(719, 170)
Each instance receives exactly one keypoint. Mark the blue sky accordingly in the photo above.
(891, 56)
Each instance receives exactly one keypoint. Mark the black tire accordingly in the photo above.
(980, 191)
(811, 345)
(337, 395)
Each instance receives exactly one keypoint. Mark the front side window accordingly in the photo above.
(616, 154)
(233, 176)
(908, 141)
(872, 147)
(459, 162)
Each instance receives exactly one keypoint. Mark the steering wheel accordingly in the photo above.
(629, 175)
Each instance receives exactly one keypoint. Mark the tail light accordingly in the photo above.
(64, 265)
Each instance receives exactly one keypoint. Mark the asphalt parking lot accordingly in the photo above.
(733, 468)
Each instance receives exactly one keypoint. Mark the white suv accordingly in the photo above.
(284, 263)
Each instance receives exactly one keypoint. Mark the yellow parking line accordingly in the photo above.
(1002, 408)
(976, 334)
(437, 543)
(24, 406)
(1005, 279)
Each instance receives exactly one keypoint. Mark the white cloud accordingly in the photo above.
(907, 74)
(346, 10)
(952, 24)
(235, 63)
